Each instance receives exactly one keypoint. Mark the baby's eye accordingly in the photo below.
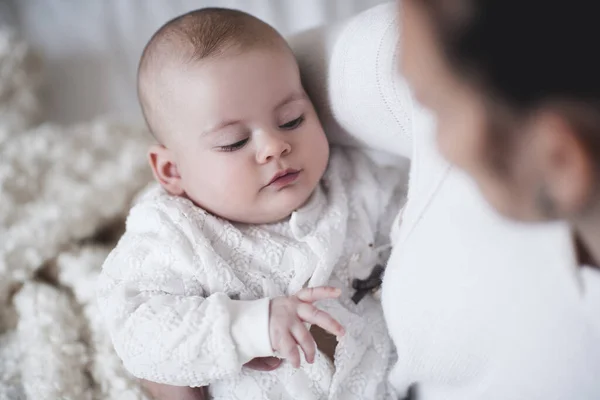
(293, 124)
(235, 146)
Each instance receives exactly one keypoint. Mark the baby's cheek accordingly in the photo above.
(241, 189)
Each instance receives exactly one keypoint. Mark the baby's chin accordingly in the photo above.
(279, 210)
(279, 214)
(268, 208)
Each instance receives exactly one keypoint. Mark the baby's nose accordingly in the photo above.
(272, 146)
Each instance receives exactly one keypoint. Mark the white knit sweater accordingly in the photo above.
(185, 294)
(499, 310)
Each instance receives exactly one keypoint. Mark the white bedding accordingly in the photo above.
(58, 186)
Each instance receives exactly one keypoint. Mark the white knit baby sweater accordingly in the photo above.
(185, 293)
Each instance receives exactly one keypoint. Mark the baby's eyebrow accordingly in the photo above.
(219, 126)
(296, 96)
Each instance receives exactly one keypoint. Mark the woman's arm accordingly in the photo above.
(350, 72)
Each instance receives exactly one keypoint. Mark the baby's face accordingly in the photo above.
(245, 138)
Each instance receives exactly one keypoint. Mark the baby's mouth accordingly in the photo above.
(284, 178)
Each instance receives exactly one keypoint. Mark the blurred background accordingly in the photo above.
(90, 48)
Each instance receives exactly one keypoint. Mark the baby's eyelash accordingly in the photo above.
(293, 124)
(235, 146)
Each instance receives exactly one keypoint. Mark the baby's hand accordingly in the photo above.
(287, 318)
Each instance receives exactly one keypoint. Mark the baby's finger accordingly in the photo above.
(289, 350)
(305, 340)
(311, 314)
(310, 295)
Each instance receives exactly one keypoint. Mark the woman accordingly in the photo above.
(515, 91)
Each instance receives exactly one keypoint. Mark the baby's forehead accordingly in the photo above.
(234, 69)
(207, 93)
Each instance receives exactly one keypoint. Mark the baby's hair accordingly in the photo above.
(199, 35)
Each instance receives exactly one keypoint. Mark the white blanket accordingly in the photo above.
(59, 187)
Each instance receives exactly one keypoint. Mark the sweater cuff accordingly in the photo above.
(250, 328)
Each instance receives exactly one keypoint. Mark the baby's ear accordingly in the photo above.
(165, 169)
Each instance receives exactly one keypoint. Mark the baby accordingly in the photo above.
(254, 220)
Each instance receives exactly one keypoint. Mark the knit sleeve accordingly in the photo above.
(163, 325)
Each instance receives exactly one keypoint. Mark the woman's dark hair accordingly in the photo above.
(524, 52)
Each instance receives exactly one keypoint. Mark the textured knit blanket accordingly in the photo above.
(64, 192)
